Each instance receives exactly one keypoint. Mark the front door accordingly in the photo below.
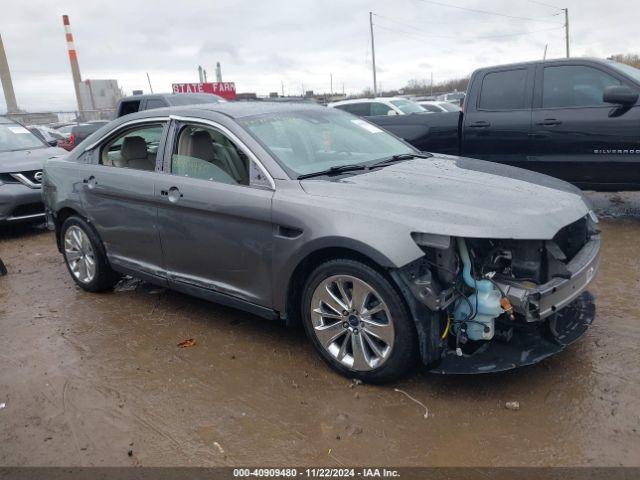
(118, 192)
(215, 216)
(578, 137)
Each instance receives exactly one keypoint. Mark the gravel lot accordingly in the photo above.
(98, 379)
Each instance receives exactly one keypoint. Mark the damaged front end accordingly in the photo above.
(487, 305)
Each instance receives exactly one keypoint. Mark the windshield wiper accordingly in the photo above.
(399, 158)
(333, 170)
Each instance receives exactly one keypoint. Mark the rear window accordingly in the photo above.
(504, 90)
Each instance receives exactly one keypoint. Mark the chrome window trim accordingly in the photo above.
(235, 139)
(25, 181)
(124, 126)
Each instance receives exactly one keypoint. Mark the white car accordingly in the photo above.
(438, 107)
(371, 107)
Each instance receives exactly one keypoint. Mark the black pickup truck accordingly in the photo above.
(576, 119)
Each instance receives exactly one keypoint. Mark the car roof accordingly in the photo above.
(170, 97)
(230, 109)
(550, 61)
(363, 100)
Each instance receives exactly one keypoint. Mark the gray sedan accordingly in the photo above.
(310, 215)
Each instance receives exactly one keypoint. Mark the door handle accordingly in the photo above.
(173, 194)
(91, 181)
(479, 124)
(549, 122)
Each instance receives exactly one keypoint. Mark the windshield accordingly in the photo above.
(313, 140)
(628, 70)
(407, 106)
(16, 137)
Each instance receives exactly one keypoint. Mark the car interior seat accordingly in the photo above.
(134, 154)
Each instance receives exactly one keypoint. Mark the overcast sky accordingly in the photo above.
(262, 43)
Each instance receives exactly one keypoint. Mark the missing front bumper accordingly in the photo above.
(529, 344)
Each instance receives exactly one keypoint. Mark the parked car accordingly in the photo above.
(79, 132)
(439, 107)
(364, 107)
(576, 119)
(453, 97)
(47, 134)
(310, 214)
(22, 155)
(64, 129)
(138, 103)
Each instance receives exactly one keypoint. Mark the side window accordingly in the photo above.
(378, 108)
(504, 90)
(128, 107)
(136, 148)
(360, 109)
(205, 153)
(155, 103)
(574, 86)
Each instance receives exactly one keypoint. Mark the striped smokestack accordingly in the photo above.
(73, 60)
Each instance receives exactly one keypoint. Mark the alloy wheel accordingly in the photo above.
(352, 322)
(79, 254)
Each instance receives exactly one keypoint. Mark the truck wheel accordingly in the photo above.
(85, 256)
(358, 322)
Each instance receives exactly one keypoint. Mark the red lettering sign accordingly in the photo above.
(225, 90)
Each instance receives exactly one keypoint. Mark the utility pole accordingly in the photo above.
(544, 56)
(431, 94)
(149, 80)
(373, 56)
(331, 78)
(200, 73)
(282, 87)
(566, 29)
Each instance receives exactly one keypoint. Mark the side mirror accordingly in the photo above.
(53, 143)
(392, 112)
(619, 95)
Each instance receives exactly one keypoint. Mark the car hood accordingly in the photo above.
(457, 196)
(25, 160)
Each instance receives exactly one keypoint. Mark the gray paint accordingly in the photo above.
(227, 239)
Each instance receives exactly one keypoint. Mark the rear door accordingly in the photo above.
(496, 126)
(215, 214)
(118, 195)
(578, 137)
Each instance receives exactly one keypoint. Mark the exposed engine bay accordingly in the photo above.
(508, 302)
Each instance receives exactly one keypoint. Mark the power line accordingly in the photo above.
(485, 12)
(544, 4)
(457, 37)
(421, 29)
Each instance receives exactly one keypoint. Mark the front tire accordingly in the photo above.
(358, 322)
(85, 256)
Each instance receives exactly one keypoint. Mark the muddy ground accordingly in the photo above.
(97, 379)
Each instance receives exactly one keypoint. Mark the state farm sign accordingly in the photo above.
(223, 89)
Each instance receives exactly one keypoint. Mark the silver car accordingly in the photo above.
(310, 215)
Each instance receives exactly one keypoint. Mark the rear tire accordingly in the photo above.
(358, 322)
(85, 256)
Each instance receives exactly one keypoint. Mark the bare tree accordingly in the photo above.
(628, 58)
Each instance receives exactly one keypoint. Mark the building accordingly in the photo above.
(99, 98)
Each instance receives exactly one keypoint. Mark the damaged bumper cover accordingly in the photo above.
(550, 316)
(529, 344)
(540, 301)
